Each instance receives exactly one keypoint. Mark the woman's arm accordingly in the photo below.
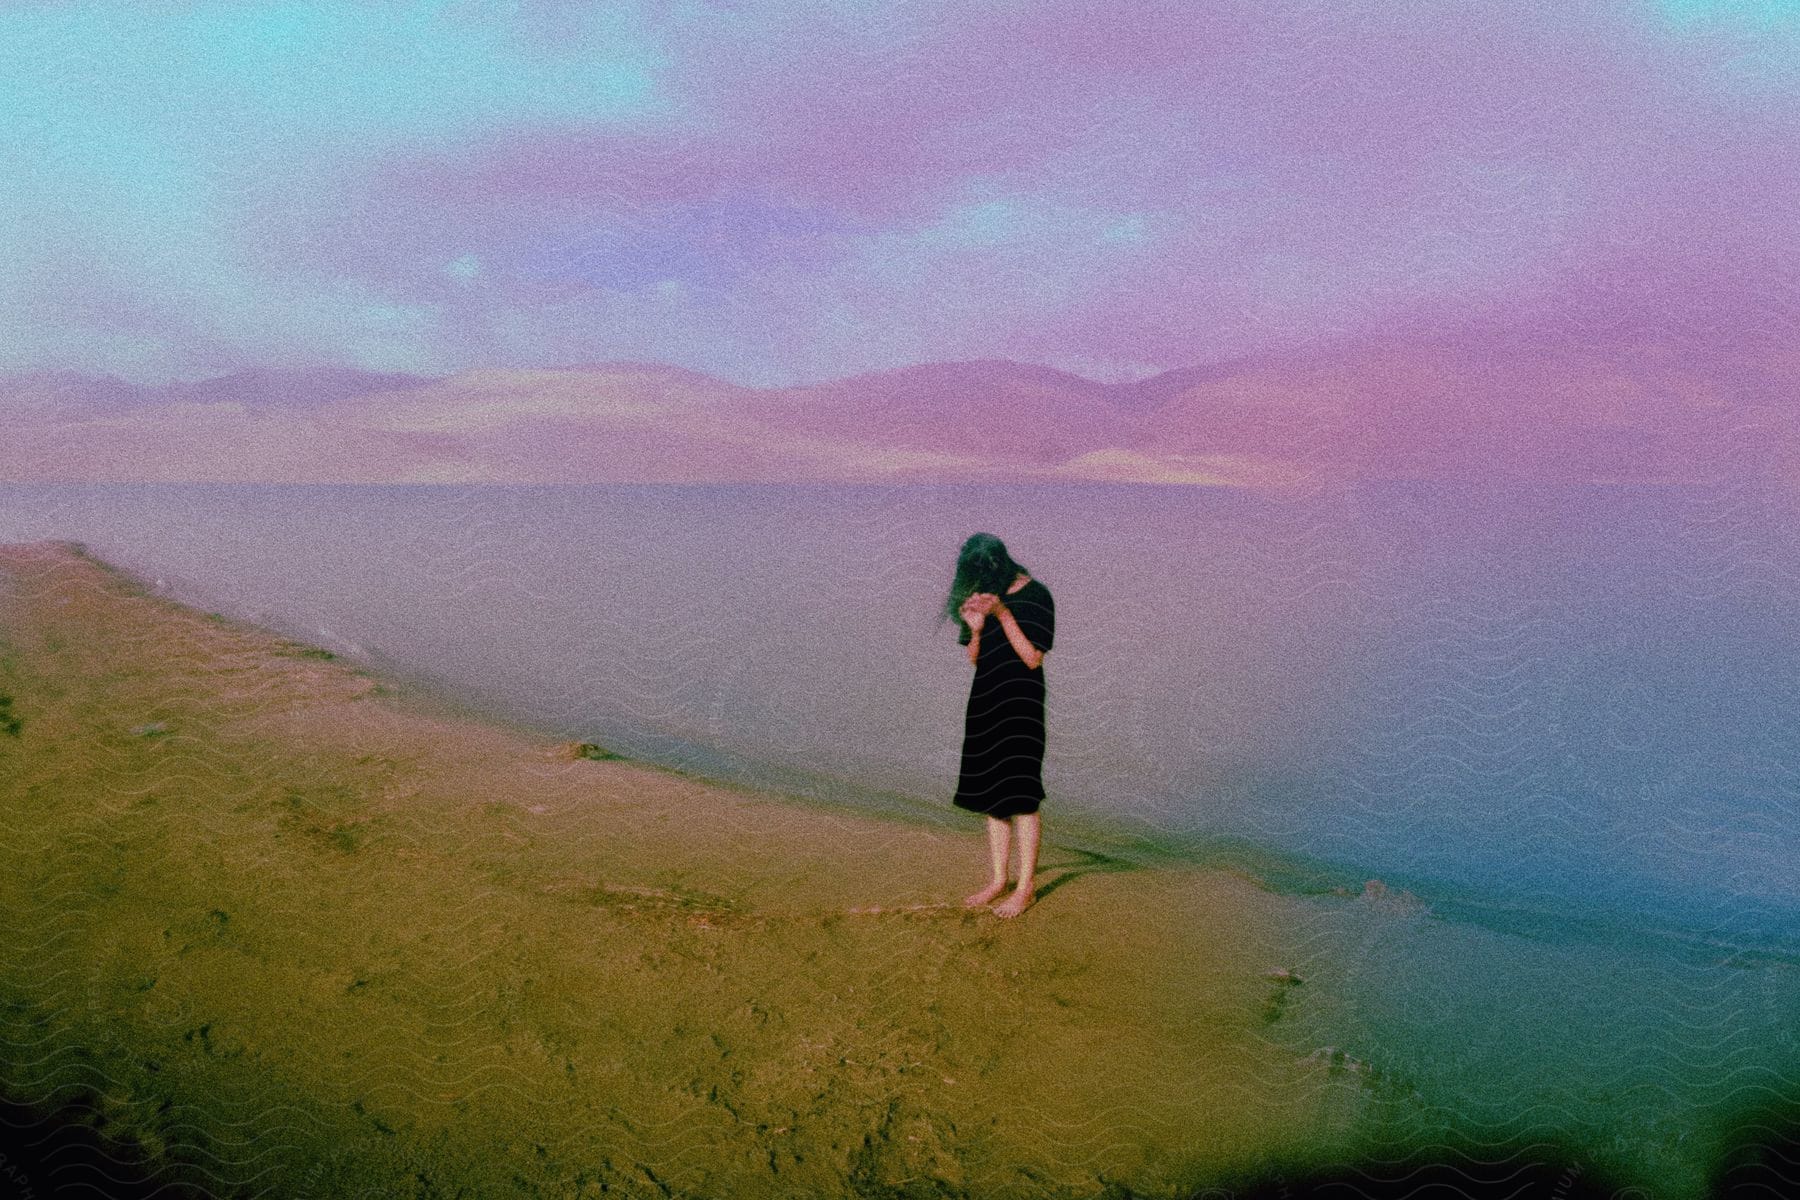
(1029, 654)
(974, 612)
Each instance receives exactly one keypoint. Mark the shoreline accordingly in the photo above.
(1281, 871)
(446, 945)
(433, 697)
(1179, 822)
(468, 958)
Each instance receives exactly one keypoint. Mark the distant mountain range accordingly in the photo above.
(1448, 409)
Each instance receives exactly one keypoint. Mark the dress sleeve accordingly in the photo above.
(1037, 620)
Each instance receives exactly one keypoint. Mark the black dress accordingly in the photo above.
(1003, 731)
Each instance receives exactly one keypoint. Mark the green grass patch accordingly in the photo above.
(302, 650)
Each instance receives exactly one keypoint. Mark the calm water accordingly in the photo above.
(1532, 705)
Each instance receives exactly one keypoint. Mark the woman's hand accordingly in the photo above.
(976, 608)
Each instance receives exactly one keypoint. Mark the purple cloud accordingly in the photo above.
(784, 193)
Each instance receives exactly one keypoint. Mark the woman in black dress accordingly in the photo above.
(1008, 621)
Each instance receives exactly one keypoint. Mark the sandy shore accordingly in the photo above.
(291, 932)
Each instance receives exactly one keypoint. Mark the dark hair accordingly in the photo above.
(983, 565)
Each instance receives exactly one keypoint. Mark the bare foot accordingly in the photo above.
(1016, 903)
(985, 895)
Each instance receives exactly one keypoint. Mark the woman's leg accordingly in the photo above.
(997, 831)
(1029, 829)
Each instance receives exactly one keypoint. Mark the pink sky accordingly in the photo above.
(789, 192)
